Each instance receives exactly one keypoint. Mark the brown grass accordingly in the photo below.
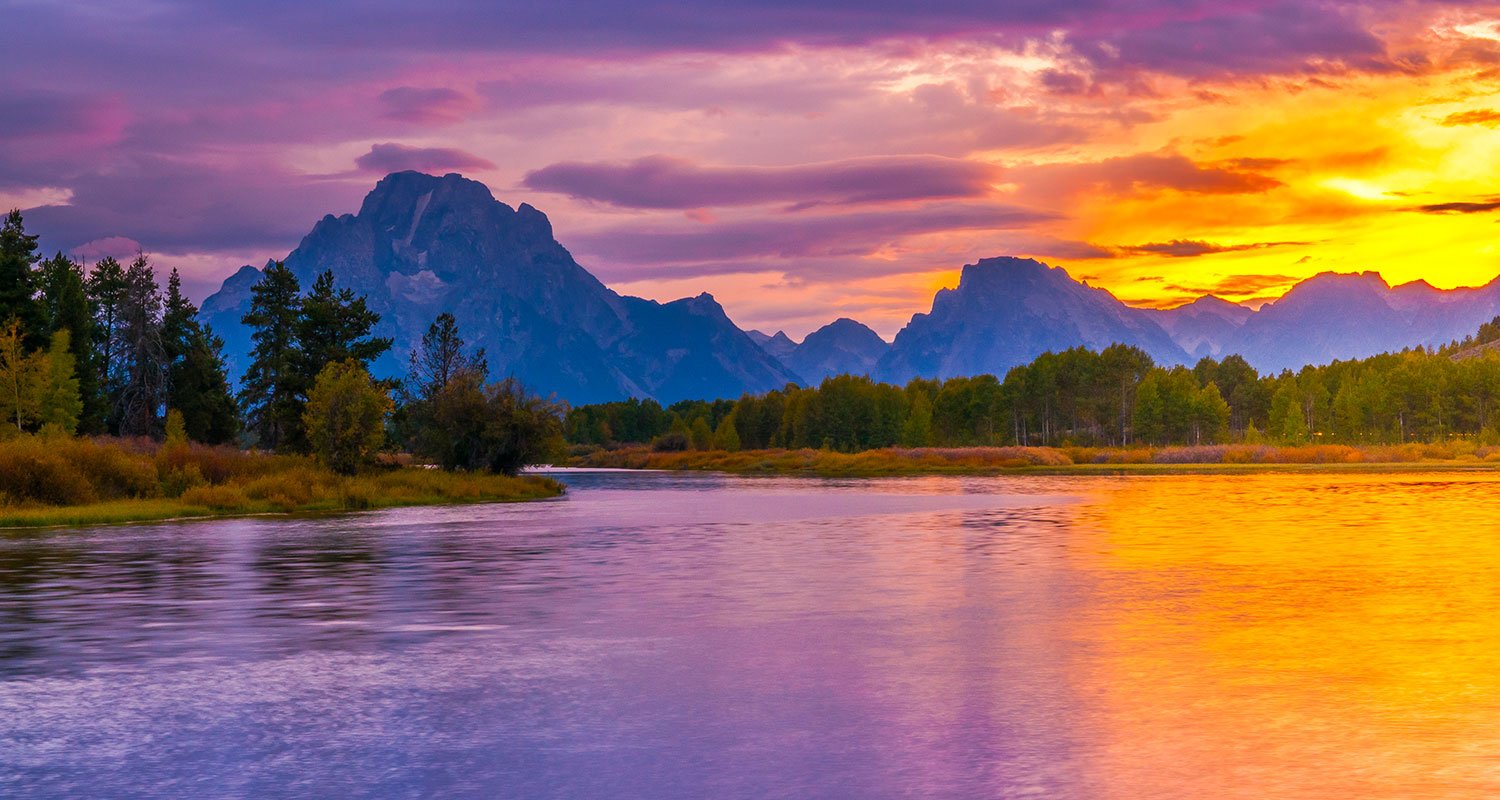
(66, 481)
(986, 460)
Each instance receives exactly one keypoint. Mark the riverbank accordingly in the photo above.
(1055, 460)
(47, 482)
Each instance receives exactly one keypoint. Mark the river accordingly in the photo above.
(658, 635)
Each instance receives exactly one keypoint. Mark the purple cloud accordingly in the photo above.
(392, 157)
(1145, 172)
(1252, 38)
(434, 106)
(667, 182)
(791, 237)
(255, 209)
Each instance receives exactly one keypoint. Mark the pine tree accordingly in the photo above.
(18, 281)
(65, 305)
(335, 326)
(441, 358)
(197, 383)
(143, 359)
(106, 288)
(272, 390)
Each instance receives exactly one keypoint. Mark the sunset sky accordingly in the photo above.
(800, 160)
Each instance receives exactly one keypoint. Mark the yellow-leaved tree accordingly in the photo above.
(38, 388)
(345, 416)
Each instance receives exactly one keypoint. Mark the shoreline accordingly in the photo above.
(988, 461)
(525, 488)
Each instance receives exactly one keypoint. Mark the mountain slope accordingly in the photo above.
(779, 345)
(842, 347)
(421, 245)
(1205, 326)
(1006, 312)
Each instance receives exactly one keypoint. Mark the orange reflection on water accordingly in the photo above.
(1304, 636)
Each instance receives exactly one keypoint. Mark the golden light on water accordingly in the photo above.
(1296, 636)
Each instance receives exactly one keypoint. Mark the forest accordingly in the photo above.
(1081, 398)
(105, 353)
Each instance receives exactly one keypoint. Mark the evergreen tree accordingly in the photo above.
(271, 392)
(143, 357)
(441, 357)
(65, 306)
(197, 383)
(106, 288)
(335, 326)
(18, 281)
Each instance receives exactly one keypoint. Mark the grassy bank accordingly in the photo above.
(60, 481)
(1053, 460)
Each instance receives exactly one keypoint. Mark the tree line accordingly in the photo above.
(104, 351)
(1078, 397)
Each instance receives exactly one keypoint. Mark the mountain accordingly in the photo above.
(1334, 316)
(1006, 312)
(421, 245)
(1204, 326)
(842, 347)
(779, 345)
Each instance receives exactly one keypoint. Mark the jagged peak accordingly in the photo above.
(1004, 265)
(1329, 278)
(404, 190)
(1211, 304)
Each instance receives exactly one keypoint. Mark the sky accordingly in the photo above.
(800, 159)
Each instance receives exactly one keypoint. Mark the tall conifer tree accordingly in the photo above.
(197, 385)
(18, 255)
(143, 357)
(66, 307)
(272, 391)
(335, 327)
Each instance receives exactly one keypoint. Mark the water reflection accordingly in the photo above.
(701, 636)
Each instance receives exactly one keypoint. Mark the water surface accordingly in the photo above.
(667, 636)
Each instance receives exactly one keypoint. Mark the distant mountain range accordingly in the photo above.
(842, 347)
(420, 245)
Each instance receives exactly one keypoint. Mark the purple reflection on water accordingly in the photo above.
(649, 636)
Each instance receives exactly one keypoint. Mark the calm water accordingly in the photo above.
(659, 636)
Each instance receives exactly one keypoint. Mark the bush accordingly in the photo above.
(671, 442)
(217, 498)
(496, 428)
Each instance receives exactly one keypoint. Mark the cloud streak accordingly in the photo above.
(1192, 248)
(664, 182)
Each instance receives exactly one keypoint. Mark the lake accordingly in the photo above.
(660, 635)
